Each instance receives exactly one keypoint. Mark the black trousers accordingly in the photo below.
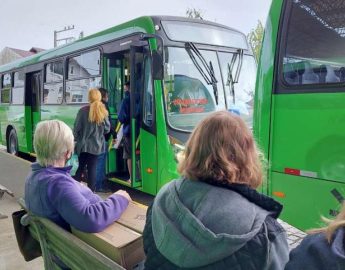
(90, 161)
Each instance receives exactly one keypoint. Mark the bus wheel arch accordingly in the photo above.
(12, 141)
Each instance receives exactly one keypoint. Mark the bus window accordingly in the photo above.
(314, 45)
(6, 88)
(83, 73)
(189, 97)
(18, 88)
(84, 65)
(241, 100)
(53, 85)
(148, 95)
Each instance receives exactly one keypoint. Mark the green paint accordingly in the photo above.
(298, 131)
(157, 158)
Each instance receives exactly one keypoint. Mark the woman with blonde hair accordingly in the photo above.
(90, 126)
(213, 218)
(323, 249)
(51, 192)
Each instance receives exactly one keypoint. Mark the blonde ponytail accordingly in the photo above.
(98, 112)
(333, 225)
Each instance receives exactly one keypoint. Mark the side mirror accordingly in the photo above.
(157, 66)
(157, 58)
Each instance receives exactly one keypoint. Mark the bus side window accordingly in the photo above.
(148, 112)
(6, 84)
(18, 88)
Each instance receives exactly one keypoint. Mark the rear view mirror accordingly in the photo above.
(157, 66)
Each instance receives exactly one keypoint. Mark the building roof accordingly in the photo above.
(21, 53)
(36, 50)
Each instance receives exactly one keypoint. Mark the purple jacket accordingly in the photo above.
(52, 193)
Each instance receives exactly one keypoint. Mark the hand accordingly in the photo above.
(124, 193)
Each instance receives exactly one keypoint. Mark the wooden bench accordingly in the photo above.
(59, 245)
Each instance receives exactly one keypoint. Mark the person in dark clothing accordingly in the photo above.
(89, 128)
(124, 118)
(323, 249)
(213, 217)
(100, 178)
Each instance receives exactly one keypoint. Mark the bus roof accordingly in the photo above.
(144, 24)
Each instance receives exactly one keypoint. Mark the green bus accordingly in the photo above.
(180, 70)
(299, 108)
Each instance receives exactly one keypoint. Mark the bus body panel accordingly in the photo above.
(164, 152)
(299, 126)
(3, 122)
(14, 117)
(29, 118)
(264, 79)
(65, 113)
(306, 199)
(308, 134)
(148, 150)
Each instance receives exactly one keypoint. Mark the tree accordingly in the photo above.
(255, 39)
(194, 13)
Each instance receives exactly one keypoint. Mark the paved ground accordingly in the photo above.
(12, 175)
(294, 235)
(10, 256)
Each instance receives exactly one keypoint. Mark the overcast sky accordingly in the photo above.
(25, 24)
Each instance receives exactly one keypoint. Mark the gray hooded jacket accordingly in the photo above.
(89, 136)
(194, 225)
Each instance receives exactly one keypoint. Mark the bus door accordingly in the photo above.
(136, 83)
(114, 69)
(32, 101)
(144, 138)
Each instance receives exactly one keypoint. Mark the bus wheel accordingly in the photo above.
(12, 143)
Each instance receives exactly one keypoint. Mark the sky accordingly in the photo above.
(26, 24)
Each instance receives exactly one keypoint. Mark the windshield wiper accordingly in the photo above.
(206, 70)
(230, 79)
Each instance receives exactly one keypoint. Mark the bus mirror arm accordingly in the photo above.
(157, 56)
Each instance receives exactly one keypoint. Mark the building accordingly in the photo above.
(8, 54)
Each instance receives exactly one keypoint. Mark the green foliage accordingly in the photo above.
(255, 39)
(194, 13)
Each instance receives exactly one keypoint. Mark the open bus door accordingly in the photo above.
(136, 86)
(143, 128)
(137, 65)
(33, 104)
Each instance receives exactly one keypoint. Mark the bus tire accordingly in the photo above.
(12, 143)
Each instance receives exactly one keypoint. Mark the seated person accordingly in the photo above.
(51, 192)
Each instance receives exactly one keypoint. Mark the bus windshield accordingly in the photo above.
(190, 97)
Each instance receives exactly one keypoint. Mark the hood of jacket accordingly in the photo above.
(196, 224)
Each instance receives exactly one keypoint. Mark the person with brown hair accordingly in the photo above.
(213, 218)
(90, 126)
(323, 249)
